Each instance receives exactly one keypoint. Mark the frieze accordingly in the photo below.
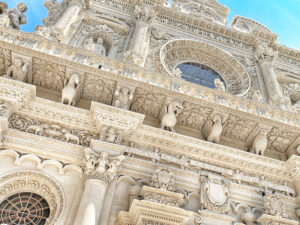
(79, 137)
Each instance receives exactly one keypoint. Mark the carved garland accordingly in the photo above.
(35, 182)
(178, 51)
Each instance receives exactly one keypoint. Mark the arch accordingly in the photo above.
(179, 51)
(38, 183)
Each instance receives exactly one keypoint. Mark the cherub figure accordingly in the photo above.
(90, 162)
(123, 97)
(18, 70)
(219, 84)
(17, 16)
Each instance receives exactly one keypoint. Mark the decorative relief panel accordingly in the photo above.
(96, 89)
(238, 128)
(193, 115)
(48, 74)
(79, 137)
(280, 139)
(5, 60)
(148, 103)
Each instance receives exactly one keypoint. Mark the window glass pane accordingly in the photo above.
(199, 74)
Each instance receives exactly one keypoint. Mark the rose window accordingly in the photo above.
(24, 209)
(199, 74)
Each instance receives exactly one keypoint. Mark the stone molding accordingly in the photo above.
(275, 220)
(184, 50)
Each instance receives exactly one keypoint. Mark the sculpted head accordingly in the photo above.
(18, 62)
(125, 91)
(22, 7)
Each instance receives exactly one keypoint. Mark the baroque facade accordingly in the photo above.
(147, 112)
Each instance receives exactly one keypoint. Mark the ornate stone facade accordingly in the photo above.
(103, 118)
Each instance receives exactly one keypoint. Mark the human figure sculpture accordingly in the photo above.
(260, 143)
(99, 47)
(169, 118)
(219, 84)
(89, 44)
(123, 97)
(212, 129)
(102, 163)
(17, 16)
(70, 90)
(18, 70)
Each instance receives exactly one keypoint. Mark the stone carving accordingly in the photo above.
(48, 74)
(264, 52)
(244, 214)
(147, 102)
(193, 115)
(111, 135)
(163, 179)
(55, 131)
(123, 97)
(89, 44)
(54, 11)
(279, 139)
(169, 115)
(5, 109)
(219, 84)
(19, 70)
(214, 194)
(212, 129)
(102, 166)
(71, 90)
(47, 32)
(97, 89)
(144, 13)
(13, 17)
(260, 142)
(275, 206)
(237, 127)
(99, 47)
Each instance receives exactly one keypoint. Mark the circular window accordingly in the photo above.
(24, 209)
(199, 74)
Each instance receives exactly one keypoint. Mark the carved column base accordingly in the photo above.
(146, 212)
(209, 217)
(275, 220)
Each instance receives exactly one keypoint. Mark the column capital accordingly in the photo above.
(264, 53)
(102, 167)
(293, 166)
(145, 13)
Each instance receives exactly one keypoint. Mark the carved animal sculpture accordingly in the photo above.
(212, 129)
(36, 129)
(169, 119)
(248, 217)
(260, 143)
(70, 90)
(71, 137)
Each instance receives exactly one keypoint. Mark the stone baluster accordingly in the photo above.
(138, 47)
(100, 172)
(63, 24)
(265, 56)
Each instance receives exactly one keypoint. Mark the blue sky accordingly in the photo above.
(281, 16)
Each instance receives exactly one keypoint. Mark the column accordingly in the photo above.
(63, 24)
(265, 55)
(100, 172)
(136, 53)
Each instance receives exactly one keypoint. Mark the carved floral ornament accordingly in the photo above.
(179, 51)
(37, 183)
